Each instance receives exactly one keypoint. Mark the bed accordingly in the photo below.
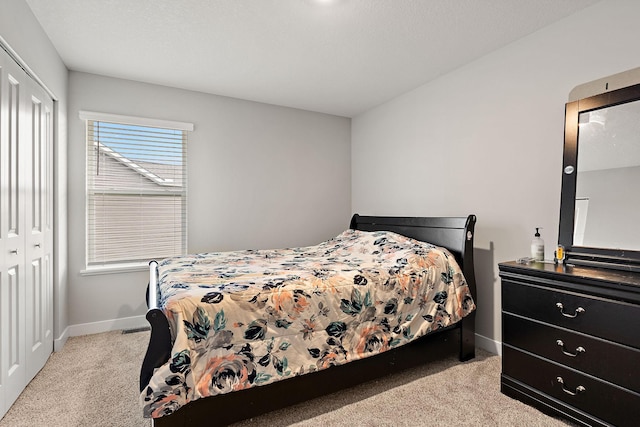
(237, 334)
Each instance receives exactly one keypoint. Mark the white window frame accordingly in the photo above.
(110, 267)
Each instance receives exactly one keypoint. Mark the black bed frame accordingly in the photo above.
(453, 233)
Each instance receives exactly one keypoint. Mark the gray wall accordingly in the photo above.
(484, 139)
(22, 32)
(487, 139)
(259, 176)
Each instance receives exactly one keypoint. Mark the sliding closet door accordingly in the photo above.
(26, 299)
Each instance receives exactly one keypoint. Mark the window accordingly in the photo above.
(136, 189)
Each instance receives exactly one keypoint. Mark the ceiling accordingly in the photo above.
(340, 57)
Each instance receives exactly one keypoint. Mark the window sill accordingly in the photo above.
(114, 269)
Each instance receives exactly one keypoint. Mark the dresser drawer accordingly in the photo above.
(603, 400)
(613, 320)
(609, 361)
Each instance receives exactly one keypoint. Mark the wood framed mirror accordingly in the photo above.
(600, 200)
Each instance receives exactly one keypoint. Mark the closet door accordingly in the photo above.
(12, 237)
(38, 230)
(26, 235)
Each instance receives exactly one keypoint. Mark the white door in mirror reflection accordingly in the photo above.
(580, 222)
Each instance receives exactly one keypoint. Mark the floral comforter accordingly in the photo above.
(247, 318)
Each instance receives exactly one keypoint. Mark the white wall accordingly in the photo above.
(22, 32)
(487, 139)
(259, 176)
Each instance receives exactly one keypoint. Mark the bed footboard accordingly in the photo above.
(159, 349)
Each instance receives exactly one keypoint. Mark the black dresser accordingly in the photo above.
(571, 341)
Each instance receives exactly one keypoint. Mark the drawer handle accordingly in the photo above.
(564, 350)
(561, 308)
(579, 389)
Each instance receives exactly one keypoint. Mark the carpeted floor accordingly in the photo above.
(93, 381)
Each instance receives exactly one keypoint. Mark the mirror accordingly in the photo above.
(600, 198)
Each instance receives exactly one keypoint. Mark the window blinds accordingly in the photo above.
(136, 190)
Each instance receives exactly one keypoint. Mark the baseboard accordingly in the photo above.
(107, 325)
(489, 345)
(59, 342)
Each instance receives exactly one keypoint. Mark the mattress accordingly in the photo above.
(243, 319)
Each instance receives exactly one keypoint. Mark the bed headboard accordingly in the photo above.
(453, 233)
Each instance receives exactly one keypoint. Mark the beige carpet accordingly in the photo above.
(93, 381)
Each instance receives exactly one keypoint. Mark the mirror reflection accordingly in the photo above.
(608, 179)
